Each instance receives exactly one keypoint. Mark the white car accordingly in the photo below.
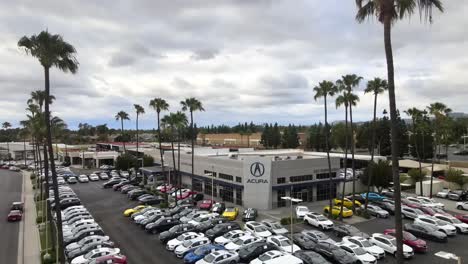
(202, 218)
(440, 225)
(388, 243)
(240, 242)
(411, 213)
(358, 252)
(140, 218)
(93, 177)
(124, 174)
(68, 228)
(444, 193)
(180, 250)
(319, 221)
(229, 236)
(301, 211)
(71, 233)
(104, 176)
(376, 211)
(173, 243)
(268, 256)
(275, 227)
(459, 225)
(283, 243)
(318, 236)
(424, 201)
(180, 191)
(374, 250)
(85, 241)
(83, 178)
(462, 205)
(257, 229)
(219, 257)
(94, 254)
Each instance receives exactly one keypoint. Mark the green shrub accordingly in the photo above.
(50, 260)
(33, 176)
(363, 213)
(287, 221)
(163, 205)
(40, 219)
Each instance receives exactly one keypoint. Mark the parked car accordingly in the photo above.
(361, 254)
(221, 229)
(387, 205)
(199, 253)
(220, 257)
(83, 178)
(228, 237)
(257, 229)
(218, 208)
(94, 254)
(303, 241)
(357, 197)
(443, 193)
(462, 205)
(348, 230)
(15, 215)
(173, 243)
(161, 225)
(110, 183)
(134, 194)
(411, 213)
(114, 259)
(85, 241)
(318, 221)
(203, 227)
(458, 195)
(249, 214)
(334, 253)
(429, 202)
(88, 247)
(268, 257)
(450, 220)
(240, 242)
(175, 231)
(442, 226)
(247, 254)
(136, 209)
(282, 243)
(348, 203)
(310, 257)
(463, 218)
(425, 231)
(72, 180)
(206, 204)
(93, 177)
(275, 227)
(336, 211)
(388, 243)
(318, 236)
(103, 176)
(301, 211)
(185, 247)
(364, 243)
(376, 211)
(409, 239)
(231, 213)
(150, 200)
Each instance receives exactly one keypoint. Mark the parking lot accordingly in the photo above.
(10, 191)
(107, 207)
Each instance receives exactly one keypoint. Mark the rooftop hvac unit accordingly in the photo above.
(299, 157)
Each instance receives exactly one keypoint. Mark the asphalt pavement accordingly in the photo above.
(10, 191)
(107, 208)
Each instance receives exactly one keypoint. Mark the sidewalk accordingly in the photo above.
(29, 245)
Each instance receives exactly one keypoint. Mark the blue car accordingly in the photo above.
(373, 196)
(196, 254)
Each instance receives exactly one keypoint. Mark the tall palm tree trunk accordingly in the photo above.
(374, 131)
(394, 130)
(345, 163)
(417, 151)
(162, 156)
(137, 153)
(353, 165)
(420, 160)
(54, 173)
(192, 138)
(174, 166)
(25, 153)
(327, 145)
(123, 139)
(432, 167)
(178, 163)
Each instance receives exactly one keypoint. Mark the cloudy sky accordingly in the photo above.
(246, 60)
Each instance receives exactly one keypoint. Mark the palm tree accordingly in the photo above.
(376, 86)
(51, 51)
(121, 115)
(388, 12)
(139, 110)
(58, 125)
(159, 105)
(416, 118)
(325, 89)
(351, 81)
(440, 112)
(180, 124)
(192, 105)
(38, 97)
(24, 133)
(6, 126)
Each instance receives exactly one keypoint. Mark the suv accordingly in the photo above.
(388, 243)
(335, 253)
(221, 229)
(458, 195)
(412, 213)
(318, 221)
(440, 225)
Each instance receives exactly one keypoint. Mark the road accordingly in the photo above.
(107, 206)
(10, 191)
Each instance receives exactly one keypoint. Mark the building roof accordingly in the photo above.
(412, 164)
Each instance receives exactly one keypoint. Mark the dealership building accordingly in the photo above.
(258, 179)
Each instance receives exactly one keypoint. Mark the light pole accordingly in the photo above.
(291, 215)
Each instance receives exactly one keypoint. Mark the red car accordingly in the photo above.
(410, 204)
(417, 244)
(110, 259)
(206, 204)
(166, 188)
(428, 210)
(15, 215)
(463, 218)
(185, 195)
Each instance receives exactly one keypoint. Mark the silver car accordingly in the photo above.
(220, 257)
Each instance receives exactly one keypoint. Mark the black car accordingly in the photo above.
(249, 214)
(335, 254)
(161, 225)
(175, 231)
(206, 225)
(426, 232)
(126, 188)
(65, 203)
(118, 186)
(151, 200)
(247, 254)
(184, 212)
(110, 183)
(357, 197)
(303, 241)
(218, 208)
(221, 229)
(310, 257)
(386, 205)
(348, 230)
(132, 195)
(151, 219)
(179, 208)
(198, 197)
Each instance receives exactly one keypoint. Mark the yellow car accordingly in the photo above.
(336, 211)
(347, 202)
(231, 213)
(133, 210)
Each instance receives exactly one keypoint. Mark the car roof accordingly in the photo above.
(383, 236)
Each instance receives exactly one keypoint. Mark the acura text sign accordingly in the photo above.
(257, 187)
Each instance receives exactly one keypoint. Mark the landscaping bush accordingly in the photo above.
(33, 176)
(50, 260)
(363, 213)
(40, 219)
(163, 205)
(287, 220)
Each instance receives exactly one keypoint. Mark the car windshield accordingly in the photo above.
(260, 229)
(352, 229)
(238, 241)
(227, 235)
(187, 243)
(230, 210)
(409, 236)
(89, 254)
(366, 243)
(276, 226)
(206, 202)
(180, 238)
(359, 251)
(440, 222)
(209, 258)
(321, 218)
(303, 209)
(393, 241)
(321, 235)
(174, 229)
(455, 221)
(264, 257)
(285, 243)
(201, 251)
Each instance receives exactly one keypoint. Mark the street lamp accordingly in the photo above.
(295, 200)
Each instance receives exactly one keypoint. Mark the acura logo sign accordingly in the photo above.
(257, 169)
